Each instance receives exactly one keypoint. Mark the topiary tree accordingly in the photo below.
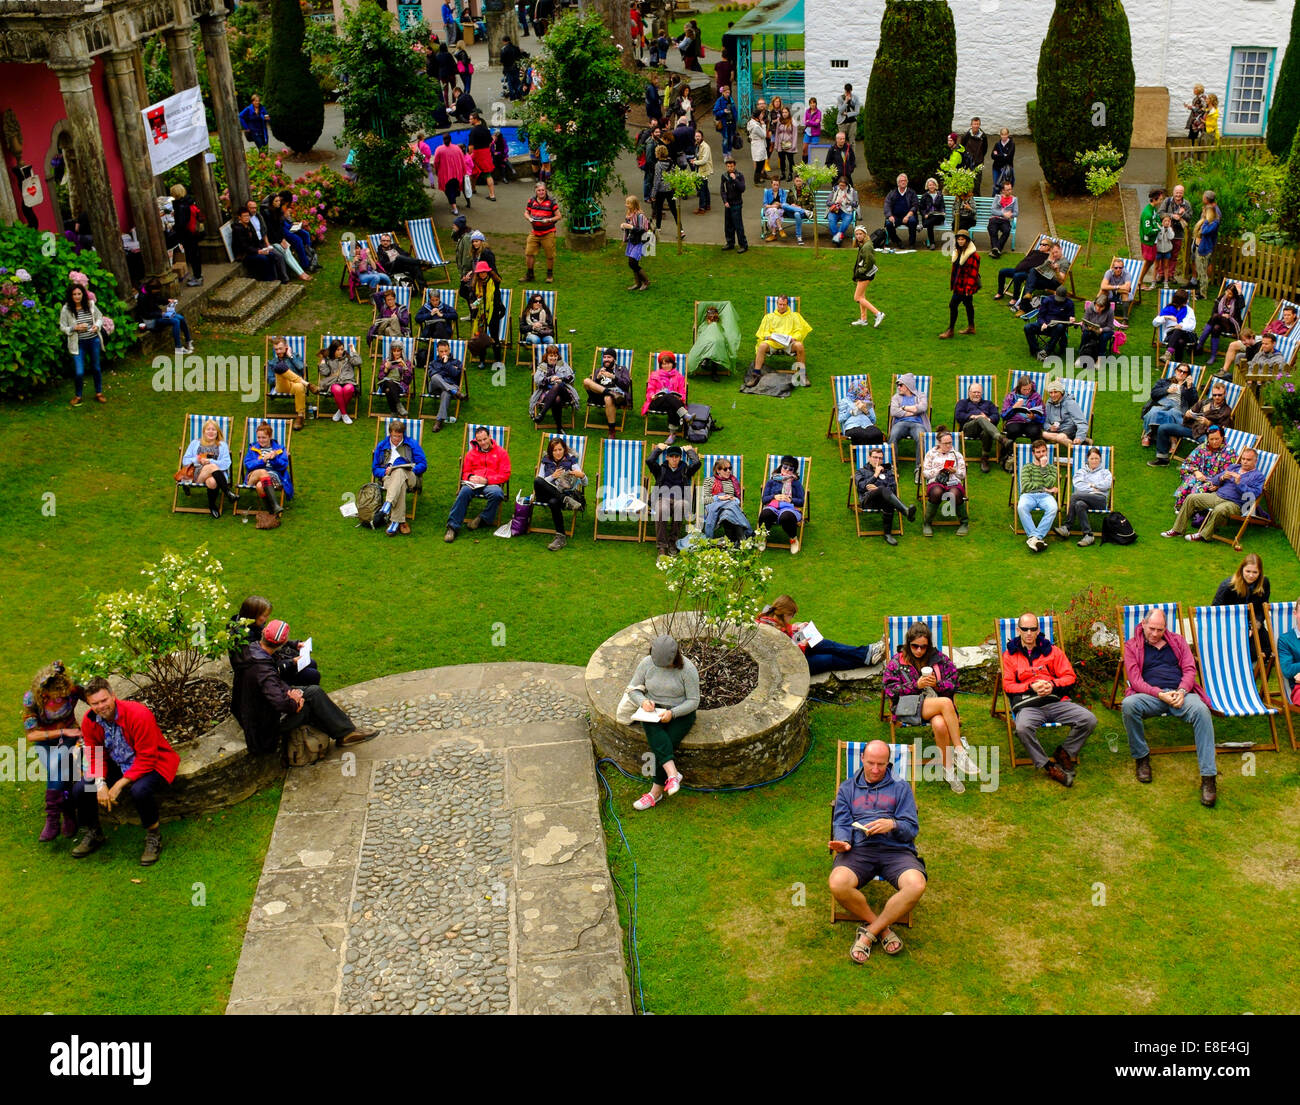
(385, 96)
(1085, 88)
(293, 97)
(1288, 208)
(1102, 169)
(580, 109)
(1284, 114)
(912, 90)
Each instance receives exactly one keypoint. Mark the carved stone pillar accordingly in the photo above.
(8, 201)
(180, 51)
(221, 83)
(501, 23)
(124, 94)
(96, 192)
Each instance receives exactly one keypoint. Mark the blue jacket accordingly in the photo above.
(858, 800)
(279, 465)
(408, 449)
(449, 370)
(253, 120)
(774, 486)
(853, 419)
(721, 106)
(1051, 310)
(1288, 656)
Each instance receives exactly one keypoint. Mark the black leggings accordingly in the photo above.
(787, 165)
(956, 299)
(1031, 431)
(931, 221)
(865, 435)
(550, 496)
(635, 266)
(671, 404)
(554, 400)
(786, 520)
(659, 207)
(392, 392)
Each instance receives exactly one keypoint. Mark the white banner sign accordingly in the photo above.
(175, 130)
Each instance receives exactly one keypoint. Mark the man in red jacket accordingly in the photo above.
(484, 472)
(1035, 674)
(125, 751)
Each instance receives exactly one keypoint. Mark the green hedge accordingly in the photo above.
(1284, 113)
(293, 98)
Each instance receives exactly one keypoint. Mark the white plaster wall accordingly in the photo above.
(1176, 43)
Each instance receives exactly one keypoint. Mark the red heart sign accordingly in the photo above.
(31, 189)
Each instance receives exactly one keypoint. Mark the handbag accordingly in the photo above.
(650, 244)
(908, 709)
(523, 516)
(268, 519)
(185, 474)
(626, 707)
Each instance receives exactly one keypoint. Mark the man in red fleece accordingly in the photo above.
(125, 751)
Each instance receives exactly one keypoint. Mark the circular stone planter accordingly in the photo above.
(585, 243)
(754, 741)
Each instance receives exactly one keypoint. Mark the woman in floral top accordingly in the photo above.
(1205, 465)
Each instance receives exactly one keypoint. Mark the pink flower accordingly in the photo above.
(108, 325)
(78, 277)
(318, 193)
(278, 163)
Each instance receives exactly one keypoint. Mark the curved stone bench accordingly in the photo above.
(754, 741)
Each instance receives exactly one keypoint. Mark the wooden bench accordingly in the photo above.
(983, 211)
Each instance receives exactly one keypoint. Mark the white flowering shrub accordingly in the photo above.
(716, 589)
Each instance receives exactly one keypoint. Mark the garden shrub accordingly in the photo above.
(1284, 112)
(293, 97)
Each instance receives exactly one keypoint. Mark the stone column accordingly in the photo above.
(221, 83)
(8, 201)
(124, 94)
(97, 193)
(180, 51)
(501, 22)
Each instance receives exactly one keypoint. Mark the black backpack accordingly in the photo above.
(702, 423)
(879, 238)
(1116, 529)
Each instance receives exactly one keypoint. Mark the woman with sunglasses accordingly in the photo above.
(921, 683)
(720, 498)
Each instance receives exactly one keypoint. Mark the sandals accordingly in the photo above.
(860, 952)
(890, 943)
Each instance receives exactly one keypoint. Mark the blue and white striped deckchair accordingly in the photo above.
(1222, 635)
(1083, 392)
(1281, 619)
(400, 292)
(1004, 631)
(1194, 374)
(192, 431)
(1128, 618)
(1024, 455)
(623, 358)
(923, 387)
(1247, 290)
(848, 760)
(1132, 273)
(1237, 440)
(990, 386)
(541, 521)
(326, 408)
(707, 461)
(414, 433)
(620, 494)
(424, 244)
(522, 356)
(566, 357)
(1078, 462)
(382, 350)
(502, 332)
(449, 299)
(859, 455)
(896, 627)
(769, 304)
(457, 348)
(930, 440)
(1287, 343)
(683, 366)
(772, 467)
(841, 388)
(298, 351)
(1232, 392)
(499, 434)
(1255, 513)
(282, 433)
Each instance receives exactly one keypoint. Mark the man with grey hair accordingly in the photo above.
(1226, 494)
(1035, 677)
(874, 829)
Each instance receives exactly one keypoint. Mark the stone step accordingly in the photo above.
(254, 296)
(284, 297)
(230, 291)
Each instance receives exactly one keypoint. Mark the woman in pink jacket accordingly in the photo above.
(450, 166)
(665, 392)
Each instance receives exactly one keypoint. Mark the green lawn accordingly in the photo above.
(713, 25)
(1011, 870)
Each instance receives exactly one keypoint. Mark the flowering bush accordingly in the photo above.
(334, 194)
(318, 196)
(35, 270)
(1282, 396)
(1087, 632)
(164, 632)
(720, 582)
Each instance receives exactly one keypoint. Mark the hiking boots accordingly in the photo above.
(1057, 773)
(1142, 766)
(1209, 791)
(152, 846)
(1062, 757)
(92, 840)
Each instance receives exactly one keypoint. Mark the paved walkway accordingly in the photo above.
(457, 865)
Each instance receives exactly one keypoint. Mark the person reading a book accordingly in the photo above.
(874, 830)
(665, 688)
(781, 331)
(920, 683)
(484, 473)
(821, 654)
(398, 464)
(1035, 677)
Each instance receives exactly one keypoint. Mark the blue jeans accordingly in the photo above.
(144, 793)
(1017, 281)
(1139, 706)
(87, 350)
(1158, 416)
(493, 493)
(373, 279)
(1038, 280)
(538, 339)
(1166, 432)
(178, 325)
(905, 429)
(57, 759)
(729, 138)
(832, 656)
(1036, 500)
(795, 213)
(839, 222)
(703, 192)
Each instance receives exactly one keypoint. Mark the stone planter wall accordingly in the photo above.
(754, 741)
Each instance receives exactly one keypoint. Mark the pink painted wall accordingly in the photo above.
(32, 91)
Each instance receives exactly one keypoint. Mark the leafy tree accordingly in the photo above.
(293, 98)
(1284, 114)
(1288, 213)
(912, 90)
(386, 95)
(580, 110)
(1085, 88)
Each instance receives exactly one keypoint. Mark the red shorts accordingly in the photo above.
(483, 161)
(1149, 253)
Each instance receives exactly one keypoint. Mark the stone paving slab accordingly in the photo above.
(456, 864)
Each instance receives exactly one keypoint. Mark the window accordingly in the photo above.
(839, 63)
(1250, 79)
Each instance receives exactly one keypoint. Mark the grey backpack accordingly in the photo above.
(369, 499)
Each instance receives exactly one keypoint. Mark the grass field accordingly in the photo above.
(1008, 923)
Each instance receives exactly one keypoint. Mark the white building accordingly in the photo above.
(1233, 47)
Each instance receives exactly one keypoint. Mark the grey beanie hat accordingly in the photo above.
(663, 651)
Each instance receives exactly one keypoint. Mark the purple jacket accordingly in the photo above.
(899, 677)
(1133, 655)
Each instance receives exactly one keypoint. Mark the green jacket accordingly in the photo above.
(1038, 477)
(1150, 225)
(866, 260)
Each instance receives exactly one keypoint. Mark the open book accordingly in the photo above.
(807, 634)
(642, 714)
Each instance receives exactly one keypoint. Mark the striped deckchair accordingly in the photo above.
(896, 627)
(943, 518)
(1223, 636)
(1128, 618)
(848, 760)
(707, 461)
(683, 367)
(347, 282)
(1280, 618)
(282, 433)
(769, 304)
(1288, 343)
(859, 515)
(670, 499)
(1005, 630)
(1231, 392)
(541, 522)
(566, 357)
(623, 358)
(382, 350)
(620, 493)
(990, 386)
(1254, 513)
(1237, 440)
(772, 467)
(1247, 290)
(414, 433)
(505, 326)
(1132, 273)
(425, 246)
(449, 298)
(298, 351)
(1069, 252)
(192, 430)
(841, 388)
(400, 292)
(327, 407)
(422, 379)
(522, 354)
(1023, 455)
(923, 387)
(1079, 461)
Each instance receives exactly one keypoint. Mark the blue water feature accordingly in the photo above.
(516, 144)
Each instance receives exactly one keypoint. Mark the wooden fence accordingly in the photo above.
(1178, 152)
(1284, 484)
(1274, 270)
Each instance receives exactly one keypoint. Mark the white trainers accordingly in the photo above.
(338, 416)
(646, 801)
(673, 785)
(347, 421)
(189, 347)
(963, 762)
(858, 322)
(954, 781)
(1032, 542)
(880, 318)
